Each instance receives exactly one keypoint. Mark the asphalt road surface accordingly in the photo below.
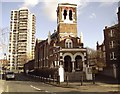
(27, 85)
(24, 85)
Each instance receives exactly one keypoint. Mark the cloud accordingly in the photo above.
(70, 1)
(116, 10)
(30, 3)
(103, 4)
(81, 6)
(108, 0)
(51, 6)
(103, 1)
(50, 9)
(93, 15)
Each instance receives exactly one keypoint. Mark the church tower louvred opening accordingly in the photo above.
(67, 20)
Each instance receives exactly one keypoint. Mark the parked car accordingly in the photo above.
(10, 75)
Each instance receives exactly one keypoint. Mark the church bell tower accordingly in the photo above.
(66, 20)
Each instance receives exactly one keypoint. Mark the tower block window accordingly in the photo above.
(65, 14)
(70, 14)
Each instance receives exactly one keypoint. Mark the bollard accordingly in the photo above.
(42, 79)
(93, 76)
(46, 80)
(66, 80)
(81, 80)
(58, 79)
(49, 80)
(54, 79)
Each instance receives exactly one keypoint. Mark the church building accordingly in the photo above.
(63, 47)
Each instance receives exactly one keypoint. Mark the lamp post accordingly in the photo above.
(1, 69)
(15, 62)
(5, 63)
(5, 59)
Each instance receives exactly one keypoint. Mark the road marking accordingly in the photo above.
(46, 91)
(35, 87)
(7, 89)
(41, 89)
(1, 86)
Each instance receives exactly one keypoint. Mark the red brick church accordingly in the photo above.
(63, 47)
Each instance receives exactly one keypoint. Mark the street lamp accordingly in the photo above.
(15, 62)
(1, 69)
(5, 59)
(2, 65)
(5, 63)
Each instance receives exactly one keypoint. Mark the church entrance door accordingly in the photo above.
(78, 63)
(67, 64)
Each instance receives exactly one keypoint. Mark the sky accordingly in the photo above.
(92, 17)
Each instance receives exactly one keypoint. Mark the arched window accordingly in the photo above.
(68, 43)
(65, 14)
(70, 14)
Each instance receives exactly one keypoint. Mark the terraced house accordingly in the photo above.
(111, 48)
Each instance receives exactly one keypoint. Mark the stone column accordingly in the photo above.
(61, 62)
(73, 66)
(84, 66)
(61, 73)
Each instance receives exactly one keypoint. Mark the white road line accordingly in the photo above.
(1, 86)
(7, 89)
(46, 91)
(41, 89)
(35, 87)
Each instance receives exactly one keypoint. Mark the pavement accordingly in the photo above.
(90, 87)
(102, 84)
(1, 85)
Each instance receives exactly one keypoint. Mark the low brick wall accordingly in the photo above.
(74, 76)
(109, 72)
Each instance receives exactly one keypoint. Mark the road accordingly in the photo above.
(27, 85)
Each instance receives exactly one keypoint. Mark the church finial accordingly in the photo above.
(81, 37)
(97, 43)
(49, 37)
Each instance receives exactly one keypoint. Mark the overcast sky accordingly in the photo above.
(93, 16)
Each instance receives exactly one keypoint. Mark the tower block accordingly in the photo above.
(67, 20)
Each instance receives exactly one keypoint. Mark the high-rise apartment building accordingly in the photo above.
(22, 37)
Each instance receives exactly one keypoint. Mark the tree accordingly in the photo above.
(4, 35)
(92, 56)
(96, 58)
